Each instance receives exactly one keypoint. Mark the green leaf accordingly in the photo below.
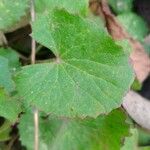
(72, 6)
(11, 11)
(131, 143)
(9, 107)
(5, 131)
(134, 25)
(98, 20)
(12, 57)
(144, 137)
(144, 148)
(125, 45)
(89, 76)
(121, 6)
(4, 136)
(105, 132)
(5, 75)
(136, 86)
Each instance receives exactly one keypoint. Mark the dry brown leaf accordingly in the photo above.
(94, 6)
(139, 59)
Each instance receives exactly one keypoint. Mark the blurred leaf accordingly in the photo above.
(5, 131)
(121, 6)
(125, 45)
(134, 25)
(4, 136)
(98, 21)
(72, 6)
(12, 56)
(136, 86)
(9, 107)
(11, 11)
(5, 75)
(144, 137)
(144, 148)
(131, 143)
(105, 132)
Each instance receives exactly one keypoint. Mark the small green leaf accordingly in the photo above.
(89, 76)
(121, 6)
(11, 11)
(12, 57)
(5, 135)
(5, 126)
(134, 25)
(5, 75)
(105, 132)
(9, 107)
(131, 142)
(5, 131)
(136, 86)
(144, 137)
(72, 6)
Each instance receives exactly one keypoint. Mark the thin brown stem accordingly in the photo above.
(36, 129)
(36, 113)
(10, 144)
(3, 40)
(33, 43)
